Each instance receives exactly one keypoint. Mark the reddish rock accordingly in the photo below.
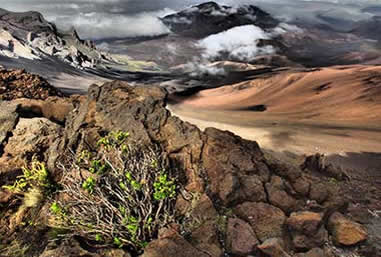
(307, 230)
(252, 189)
(344, 231)
(273, 247)
(206, 238)
(266, 220)
(279, 197)
(319, 192)
(172, 246)
(240, 237)
(302, 186)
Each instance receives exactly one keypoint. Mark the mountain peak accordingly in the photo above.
(210, 18)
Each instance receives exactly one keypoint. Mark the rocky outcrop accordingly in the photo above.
(230, 199)
(29, 35)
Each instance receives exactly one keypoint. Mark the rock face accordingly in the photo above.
(344, 231)
(231, 195)
(210, 18)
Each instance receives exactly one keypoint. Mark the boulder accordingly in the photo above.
(273, 247)
(8, 120)
(227, 158)
(240, 237)
(266, 220)
(307, 230)
(205, 237)
(32, 137)
(279, 197)
(172, 245)
(344, 231)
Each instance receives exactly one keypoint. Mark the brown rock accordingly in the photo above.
(266, 220)
(240, 237)
(302, 186)
(31, 137)
(227, 157)
(172, 246)
(53, 108)
(273, 247)
(344, 231)
(307, 230)
(206, 238)
(319, 192)
(252, 189)
(8, 120)
(279, 197)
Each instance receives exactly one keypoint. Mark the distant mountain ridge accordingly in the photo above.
(29, 35)
(210, 18)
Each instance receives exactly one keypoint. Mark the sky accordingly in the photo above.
(98, 19)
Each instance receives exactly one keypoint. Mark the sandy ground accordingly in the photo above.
(335, 111)
(281, 136)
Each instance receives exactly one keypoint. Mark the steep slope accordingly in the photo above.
(342, 94)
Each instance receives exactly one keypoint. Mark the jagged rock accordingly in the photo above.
(344, 231)
(279, 197)
(172, 245)
(53, 108)
(32, 137)
(273, 247)
(302, 186)
(252, 189)
(8, 121)
(319, 192)
(224, 168)
(201, 208)
(206, 238)
(307, 230)
(318, 163)
(266, 220)
(240, 237)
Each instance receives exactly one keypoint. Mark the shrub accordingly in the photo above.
(128, 197)
(36, 176)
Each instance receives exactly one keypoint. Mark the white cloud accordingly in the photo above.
(97, 25)
(239, 43)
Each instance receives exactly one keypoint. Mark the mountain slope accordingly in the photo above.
(210, 18)
(339, 95)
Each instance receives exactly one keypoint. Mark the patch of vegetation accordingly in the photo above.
(127, 199)
(35, 176)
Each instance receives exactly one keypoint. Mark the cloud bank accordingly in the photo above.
(128, 18)
(238, 43)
